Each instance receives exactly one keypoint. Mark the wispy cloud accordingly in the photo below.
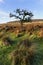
(37, 14)
(4, 17)
(3, 13)
(1, 1)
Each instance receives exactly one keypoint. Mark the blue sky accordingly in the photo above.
(7, 6)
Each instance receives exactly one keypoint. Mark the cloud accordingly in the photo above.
(1, 1)
(3, 13)
(37, 14)
(4, 17)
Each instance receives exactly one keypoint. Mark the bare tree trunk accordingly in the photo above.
(21, 25)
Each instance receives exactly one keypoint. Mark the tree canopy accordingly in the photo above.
(22, 15)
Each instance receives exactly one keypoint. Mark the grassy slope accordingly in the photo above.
(6, 50)
(5, 57)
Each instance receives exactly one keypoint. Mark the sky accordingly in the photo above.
(7, 6)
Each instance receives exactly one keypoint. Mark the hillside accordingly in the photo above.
(30, 27)
(21, 45)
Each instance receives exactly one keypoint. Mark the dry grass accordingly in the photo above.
(23, 54)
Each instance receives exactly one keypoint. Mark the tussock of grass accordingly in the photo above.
(23, 53)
